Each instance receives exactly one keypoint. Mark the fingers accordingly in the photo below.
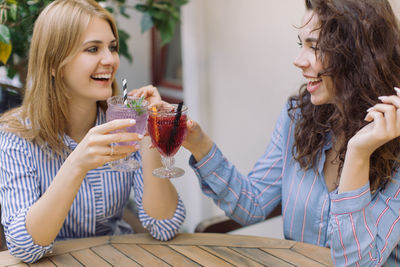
(114, 138)
(113, 125)
(146, 91)
(386, 115)
(393, 99)
(117, 151)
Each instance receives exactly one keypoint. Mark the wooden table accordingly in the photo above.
(200, 249)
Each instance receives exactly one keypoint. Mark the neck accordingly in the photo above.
(82, 119)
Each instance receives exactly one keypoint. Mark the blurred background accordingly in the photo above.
(237, 73)
(230, 61)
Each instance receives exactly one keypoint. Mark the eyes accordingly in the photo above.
(95, 48)
(312, 46)
(309, 42)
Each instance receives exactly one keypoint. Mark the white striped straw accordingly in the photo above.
(125, 91)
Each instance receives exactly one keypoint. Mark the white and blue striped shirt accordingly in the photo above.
(26, 171)
(362, 229)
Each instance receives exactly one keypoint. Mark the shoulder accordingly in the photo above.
(289, 114)
(10, 140)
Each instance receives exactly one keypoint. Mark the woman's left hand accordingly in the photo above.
(384, 126)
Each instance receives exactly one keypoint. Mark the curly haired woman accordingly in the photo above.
(334, 155)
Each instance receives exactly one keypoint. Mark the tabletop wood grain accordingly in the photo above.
(199, 249)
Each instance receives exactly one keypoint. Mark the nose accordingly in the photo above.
(301, 61)
(109, 58)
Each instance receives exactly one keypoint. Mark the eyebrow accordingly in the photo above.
(98, 42)
(309, 39)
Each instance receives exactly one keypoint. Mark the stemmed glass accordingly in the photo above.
(136, 108)
(167, 129)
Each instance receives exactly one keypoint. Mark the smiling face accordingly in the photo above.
(90, 73)
(309, 61)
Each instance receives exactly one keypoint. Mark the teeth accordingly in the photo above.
(313, 79)
(102, 76)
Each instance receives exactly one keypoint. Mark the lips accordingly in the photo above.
(313, 84)
(101, 76)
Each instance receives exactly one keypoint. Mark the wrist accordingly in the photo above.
(202, 148)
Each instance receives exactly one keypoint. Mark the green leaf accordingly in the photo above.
(136, 104)
(11, 72)
(141, 8)
(146, 22)
(167, 31)
(4, 34)
(110, 9)
(123, 46)
(13, 12)
(181, 2)
(122, 11)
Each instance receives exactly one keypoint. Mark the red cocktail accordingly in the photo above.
(167, 129)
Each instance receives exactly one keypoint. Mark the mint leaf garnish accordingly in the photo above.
(136, 104)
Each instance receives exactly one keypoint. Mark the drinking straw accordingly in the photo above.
(125, 92)
(175, 128)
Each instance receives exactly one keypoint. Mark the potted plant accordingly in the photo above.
(17, 19)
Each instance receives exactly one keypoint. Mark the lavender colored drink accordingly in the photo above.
(134, 109)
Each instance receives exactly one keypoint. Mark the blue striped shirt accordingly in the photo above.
(26, 171)
(361, 229)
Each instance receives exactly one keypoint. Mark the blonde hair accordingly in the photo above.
(57, 37)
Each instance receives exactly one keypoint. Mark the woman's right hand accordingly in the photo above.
(95, 148)
(196, 141)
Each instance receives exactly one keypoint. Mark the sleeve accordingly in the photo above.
(162, 230)
(246, 199)
(19, 189)
(365, 230)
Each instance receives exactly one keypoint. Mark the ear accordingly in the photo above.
(53, 73)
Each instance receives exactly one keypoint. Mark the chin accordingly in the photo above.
(106, 94)
(317, 101)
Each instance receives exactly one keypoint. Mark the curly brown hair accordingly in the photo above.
(359, 44)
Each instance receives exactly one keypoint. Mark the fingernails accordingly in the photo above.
(368, 110)
(132, 121)
(397, 89)
(140, 136)
(382, 98)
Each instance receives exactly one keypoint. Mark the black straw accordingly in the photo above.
(175, 128)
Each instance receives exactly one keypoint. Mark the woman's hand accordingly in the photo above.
(149, 92)
(95, 148)
(384, 126)
(196, 141)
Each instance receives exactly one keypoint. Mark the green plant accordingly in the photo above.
(17, 19)
(163, 15)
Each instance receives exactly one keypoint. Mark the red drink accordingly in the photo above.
(166, 135)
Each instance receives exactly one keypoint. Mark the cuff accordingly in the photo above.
(165, 229)
(207, 165)
(349, 202)
(20, 242)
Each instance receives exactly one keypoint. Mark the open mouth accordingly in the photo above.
(313, 81)
(101, 77)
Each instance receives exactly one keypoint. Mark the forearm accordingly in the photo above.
(160, 198)
(47, 215)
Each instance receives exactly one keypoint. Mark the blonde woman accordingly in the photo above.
(54, 180)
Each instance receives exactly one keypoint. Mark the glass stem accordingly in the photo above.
(168, 162)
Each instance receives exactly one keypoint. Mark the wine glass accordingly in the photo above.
(167, 128)
(135, 108)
